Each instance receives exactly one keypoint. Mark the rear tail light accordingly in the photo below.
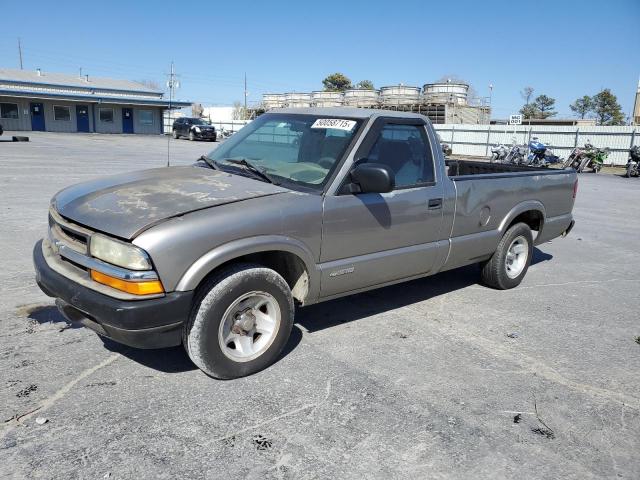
(575, 188)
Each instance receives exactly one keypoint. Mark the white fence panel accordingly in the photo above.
(476, 140)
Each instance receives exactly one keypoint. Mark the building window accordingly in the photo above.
(145, 117)
(8, 110)
(106, 115)
(61, 113)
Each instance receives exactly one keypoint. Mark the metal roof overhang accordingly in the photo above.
(94, 99)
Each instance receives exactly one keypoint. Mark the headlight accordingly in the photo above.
(119, 253)
(197, 129)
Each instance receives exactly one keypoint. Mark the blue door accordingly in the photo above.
(82, 118)
(37, 117)
(127, 120)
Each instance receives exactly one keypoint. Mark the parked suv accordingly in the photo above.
(194, 129)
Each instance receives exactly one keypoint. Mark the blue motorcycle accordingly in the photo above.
(540, 155)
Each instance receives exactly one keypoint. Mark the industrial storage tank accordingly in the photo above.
(272, 100)
(297, 99)
(361, 98)
(326, 99)
(451, 93)
(400, 95)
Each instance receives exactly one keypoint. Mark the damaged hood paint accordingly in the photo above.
(126, 205)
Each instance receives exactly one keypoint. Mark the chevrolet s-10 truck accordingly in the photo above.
(300, 206)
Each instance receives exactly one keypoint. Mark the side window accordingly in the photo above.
(405, 150)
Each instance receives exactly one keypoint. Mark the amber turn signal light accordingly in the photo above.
(146, 287)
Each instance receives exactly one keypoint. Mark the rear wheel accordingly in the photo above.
(510, 262)
(240, 322)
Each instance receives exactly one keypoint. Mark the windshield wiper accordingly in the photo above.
(209, 161)
(250, 167)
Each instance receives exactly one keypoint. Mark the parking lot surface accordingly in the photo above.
(436, 378)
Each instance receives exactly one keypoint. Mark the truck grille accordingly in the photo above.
(65, 236)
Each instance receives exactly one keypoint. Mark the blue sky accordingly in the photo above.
(564, 49)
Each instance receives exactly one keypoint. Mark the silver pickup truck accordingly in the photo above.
(300, 206)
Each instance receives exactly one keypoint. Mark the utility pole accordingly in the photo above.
(490, 98)
(635, 105)
(20, 52)
(172, 84)
(245, 96)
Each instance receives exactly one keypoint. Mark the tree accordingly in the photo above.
(541, 107)
(582, 106)
(336, 82)
(239, 112)
(607, 109)
(365, 85)
(526, 93)
(529, 111)
(544, 106)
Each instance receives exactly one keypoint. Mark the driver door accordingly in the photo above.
(371, 238)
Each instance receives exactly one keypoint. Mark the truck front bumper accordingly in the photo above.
(152, 323)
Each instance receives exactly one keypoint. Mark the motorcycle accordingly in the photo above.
(446, 148)
(223, 133)
(577, 157)
(499, 153)
(540, 155)
(633, 165)
(515, 155)
(594, 159)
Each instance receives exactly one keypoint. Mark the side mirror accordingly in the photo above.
(372, 178)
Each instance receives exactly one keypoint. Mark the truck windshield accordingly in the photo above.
(291, 149)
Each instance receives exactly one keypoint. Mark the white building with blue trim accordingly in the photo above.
(55, 102)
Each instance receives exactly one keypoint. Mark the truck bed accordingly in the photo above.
(461, 168)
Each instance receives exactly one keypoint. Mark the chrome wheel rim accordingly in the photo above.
(249, 326)
(516, 258)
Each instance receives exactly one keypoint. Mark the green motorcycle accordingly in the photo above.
(593, 158)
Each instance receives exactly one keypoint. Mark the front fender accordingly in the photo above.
(237, 248)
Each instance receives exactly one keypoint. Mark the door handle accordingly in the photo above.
(435, 203)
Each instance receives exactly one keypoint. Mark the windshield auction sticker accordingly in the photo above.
(337, 123)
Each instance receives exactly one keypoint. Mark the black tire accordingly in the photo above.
(201, 332)
(628, 173)
(494, 271)
(175, 134)
(192, 136)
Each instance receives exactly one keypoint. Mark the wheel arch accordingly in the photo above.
(287, 256)
(531, 212)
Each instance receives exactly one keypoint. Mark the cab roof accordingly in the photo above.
(348, 112)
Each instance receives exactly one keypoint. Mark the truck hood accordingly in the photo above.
(125, 205)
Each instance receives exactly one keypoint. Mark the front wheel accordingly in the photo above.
(629, 170)
(175, 134)
(510, 262)
(240, 321)
(192, 136)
